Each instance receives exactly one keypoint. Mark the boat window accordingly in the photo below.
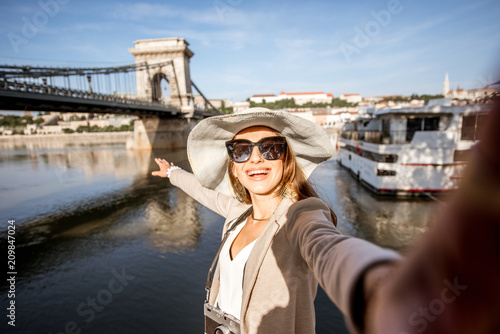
(415, 124)
(386, 172)
(472, 126)
(388, 158)
(431, 123)
(468, 127)
(386, 131)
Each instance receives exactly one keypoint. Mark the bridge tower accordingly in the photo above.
(175, 54)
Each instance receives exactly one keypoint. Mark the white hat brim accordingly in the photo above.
(207, 151)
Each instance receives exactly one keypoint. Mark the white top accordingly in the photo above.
(231, 275)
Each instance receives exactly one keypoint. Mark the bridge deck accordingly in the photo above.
(37, 98)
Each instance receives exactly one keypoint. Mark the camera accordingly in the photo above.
(218, 322)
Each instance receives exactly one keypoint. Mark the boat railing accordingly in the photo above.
(379, 137)
(385, 137)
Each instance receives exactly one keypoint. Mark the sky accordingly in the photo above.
(244, 47)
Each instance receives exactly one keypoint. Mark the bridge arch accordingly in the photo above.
(160, 88)
(173, 54)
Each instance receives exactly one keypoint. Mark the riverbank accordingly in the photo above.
(63, 140)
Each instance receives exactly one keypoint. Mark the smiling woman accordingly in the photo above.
(279, 238)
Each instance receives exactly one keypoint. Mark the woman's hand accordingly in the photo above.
(164, 165)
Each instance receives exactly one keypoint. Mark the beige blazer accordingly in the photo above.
(298, 248)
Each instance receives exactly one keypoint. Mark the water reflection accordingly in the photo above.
(385, 221)
(167, 226)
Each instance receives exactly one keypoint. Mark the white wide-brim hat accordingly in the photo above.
(208, 155)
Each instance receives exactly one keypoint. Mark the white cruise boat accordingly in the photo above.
(412, 151)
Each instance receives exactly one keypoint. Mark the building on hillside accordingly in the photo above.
(6, 132)
(118, 121)
(365, 103)
(458, 93)
(482, 93)
(50, 130)
(300, 98)
(261, 98)
(417, 103)
(351, 98)
(73, 125)
(198, 100)
(100, 123)
(470, 95)
(31, 129)
(217, 103)
(382, 105)
(303, 98)
(71, 116)
(240, 106)
(374, 99)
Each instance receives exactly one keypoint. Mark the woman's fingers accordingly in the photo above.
(164, 165)
(163, 162)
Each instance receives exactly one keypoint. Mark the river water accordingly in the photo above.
(104, 247)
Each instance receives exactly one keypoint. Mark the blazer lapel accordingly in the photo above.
(259, 251)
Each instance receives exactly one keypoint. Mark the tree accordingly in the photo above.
(224, 110)
(82, 128)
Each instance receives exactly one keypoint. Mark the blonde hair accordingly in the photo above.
(294, 183)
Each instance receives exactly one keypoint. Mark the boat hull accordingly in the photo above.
(403, 179)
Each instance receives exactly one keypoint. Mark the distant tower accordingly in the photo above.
(446, 85)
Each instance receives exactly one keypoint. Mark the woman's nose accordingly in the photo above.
(256, 157)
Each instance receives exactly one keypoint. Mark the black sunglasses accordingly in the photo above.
(270, 148)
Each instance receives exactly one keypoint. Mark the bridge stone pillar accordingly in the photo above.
(154, 132)
(155, 51)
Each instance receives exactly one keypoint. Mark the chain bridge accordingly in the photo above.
(158, 88)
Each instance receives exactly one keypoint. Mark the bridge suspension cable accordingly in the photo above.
(13, 71)
(105, 80)
(108, 83)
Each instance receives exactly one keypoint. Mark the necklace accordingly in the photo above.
(261, 219)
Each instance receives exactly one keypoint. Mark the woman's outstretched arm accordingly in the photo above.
(186, 181)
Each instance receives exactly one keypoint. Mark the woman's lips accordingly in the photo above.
(257, 172)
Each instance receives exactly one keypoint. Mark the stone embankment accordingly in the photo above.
(63, 140)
